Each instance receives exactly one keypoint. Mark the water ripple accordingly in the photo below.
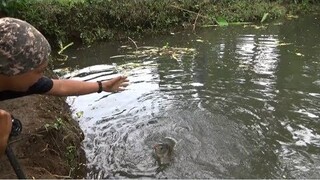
(243, 107)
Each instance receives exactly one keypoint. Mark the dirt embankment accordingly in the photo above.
(50, 143)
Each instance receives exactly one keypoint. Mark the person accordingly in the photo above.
(24, 56)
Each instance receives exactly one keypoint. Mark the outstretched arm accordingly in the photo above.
(65, 87)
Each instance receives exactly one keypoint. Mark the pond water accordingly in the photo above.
(243, 104)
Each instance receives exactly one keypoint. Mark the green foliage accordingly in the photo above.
(221, 21)
(250, 10)
(71, 155)
(94, 20)
(57, 125)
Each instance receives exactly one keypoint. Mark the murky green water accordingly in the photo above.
(245, 106)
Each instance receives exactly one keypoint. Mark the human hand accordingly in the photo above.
(116, 84)
(5, 129)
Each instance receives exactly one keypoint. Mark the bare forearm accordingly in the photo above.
(72, 88)
(65, 87)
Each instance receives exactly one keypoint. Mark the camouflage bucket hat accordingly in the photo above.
(22, 47)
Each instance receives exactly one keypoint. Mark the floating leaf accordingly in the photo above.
(292, 16)
(278, 23)
(299, 54)
(264, 17)
(122, 56)
(209, 25)
(284, 44)
(79, 114)
(255, 26)
(221, 22)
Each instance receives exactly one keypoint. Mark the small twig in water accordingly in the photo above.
(195, 22)
(65, 47)
(65, 57)
(133, 43)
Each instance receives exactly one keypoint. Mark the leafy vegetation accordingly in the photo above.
(71, 156)
(57, 125)
(92, 20)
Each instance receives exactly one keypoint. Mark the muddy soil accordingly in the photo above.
(50, 143)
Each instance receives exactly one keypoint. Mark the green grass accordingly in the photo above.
(95, 20)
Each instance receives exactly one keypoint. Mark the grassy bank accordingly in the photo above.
(92, 20)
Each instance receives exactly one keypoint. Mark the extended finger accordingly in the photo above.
(124, 84)
(121, 89)
(115, 80)
(124, 79)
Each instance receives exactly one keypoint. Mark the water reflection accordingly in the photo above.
(243, 107)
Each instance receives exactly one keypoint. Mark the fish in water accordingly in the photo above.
(163, 151)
